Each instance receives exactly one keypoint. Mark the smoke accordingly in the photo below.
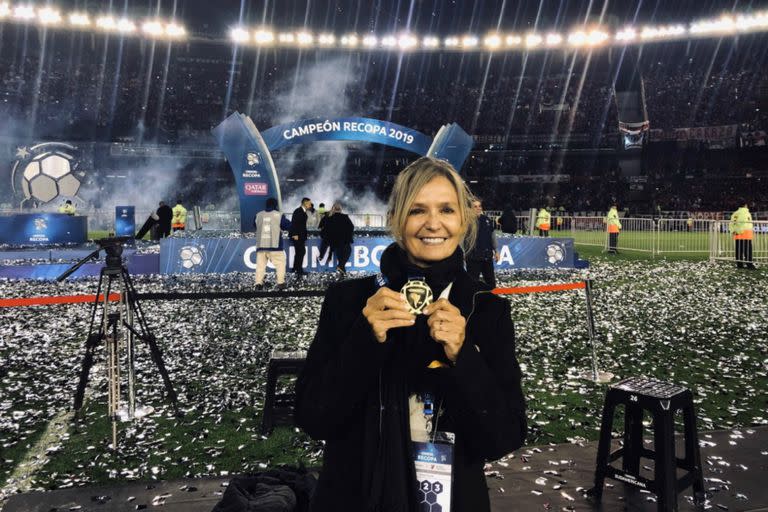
(323, 89)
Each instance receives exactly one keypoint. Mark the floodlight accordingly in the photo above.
(533, 40)
(597, 37)
(430, 42)
(78, 19)
(152, 28)
(326, 39)
(627, 35)
(5, 10)
(370, 41)
(24, 12)
(349, 40)
(389, 41)
(451, 42)
(49, 16)
(554, 39)
(175, 30)
(125, 26)
(304, 38)
(492, 41)
(106, 23)
(286, 38)
(407, 41)
(263, 36)
(239, 35)
(469, 41)
(513, 40)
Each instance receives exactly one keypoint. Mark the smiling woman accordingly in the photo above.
(413, 396)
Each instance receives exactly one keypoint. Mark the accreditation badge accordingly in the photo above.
(434, 471)
(417, 294)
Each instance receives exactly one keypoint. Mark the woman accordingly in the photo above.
(379, 377)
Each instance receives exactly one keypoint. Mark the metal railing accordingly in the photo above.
(682, 236)
(722, 247)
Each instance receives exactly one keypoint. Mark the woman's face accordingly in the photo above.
(433, 228)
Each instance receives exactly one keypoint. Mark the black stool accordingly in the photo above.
(662, 400)
(280, 363)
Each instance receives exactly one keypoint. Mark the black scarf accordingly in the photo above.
(387, 464)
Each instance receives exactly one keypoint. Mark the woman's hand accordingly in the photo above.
(446, 326)
(386, 309)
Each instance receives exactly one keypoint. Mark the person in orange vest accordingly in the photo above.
(614, 227)
(742, 230)
(543, 222)
(179, 220)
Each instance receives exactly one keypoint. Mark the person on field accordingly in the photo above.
(613, 225)
(742, 231)
(543, 222)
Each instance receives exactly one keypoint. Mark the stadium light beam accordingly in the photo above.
(79, 19)
(430, 42)
(264, 37)
(239, 35)
(492, 41)
(349, 40)
(49, 16)
(174, 30)
(24, 13)
(153, 28)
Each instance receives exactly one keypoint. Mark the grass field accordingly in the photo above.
(691, 322)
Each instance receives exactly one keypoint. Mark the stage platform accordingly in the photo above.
(541, 478)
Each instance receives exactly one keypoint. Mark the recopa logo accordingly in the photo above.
(555, 253)
(252, 158)
(191, 256)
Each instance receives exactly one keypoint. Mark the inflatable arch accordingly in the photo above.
(249, 152)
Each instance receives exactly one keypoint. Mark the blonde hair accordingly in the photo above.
(409, 183)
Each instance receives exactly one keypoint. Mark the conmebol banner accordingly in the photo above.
(248, 151)
(218, 255)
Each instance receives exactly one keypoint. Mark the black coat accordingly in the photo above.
(486, 410)
(165, 214)
(337, 229)
(298, 224)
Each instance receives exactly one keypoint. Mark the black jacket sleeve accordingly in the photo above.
(342, 364)
(488, 401)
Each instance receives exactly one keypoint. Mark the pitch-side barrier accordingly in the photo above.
(722, 247)
(595, 375)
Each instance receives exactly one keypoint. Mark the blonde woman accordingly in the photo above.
(387, 382)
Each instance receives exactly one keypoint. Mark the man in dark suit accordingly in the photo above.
(298, 234)
(165, 214)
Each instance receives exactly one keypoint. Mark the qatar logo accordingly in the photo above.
(45, 172)
(555, 253)
(191, 256)
(255, 189)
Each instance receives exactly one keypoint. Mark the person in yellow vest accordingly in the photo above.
(67, 208)
(179, 220)
(543, 220)
(689, 224)
(613, 225)
(742, 230)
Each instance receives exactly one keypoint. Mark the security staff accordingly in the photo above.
(614, 227)
(179, 220)
(543, 220)
(67, 208)
(742, 230)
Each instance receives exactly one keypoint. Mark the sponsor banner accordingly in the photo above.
(137, 264)
(43, 228)
(125, 221)
(252, 166)
(723, 136)
(534, 178)
(347, 128)
(220, 255)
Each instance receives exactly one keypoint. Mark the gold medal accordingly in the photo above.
(417, 294)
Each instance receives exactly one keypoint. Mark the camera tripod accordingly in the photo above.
(128, 314)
